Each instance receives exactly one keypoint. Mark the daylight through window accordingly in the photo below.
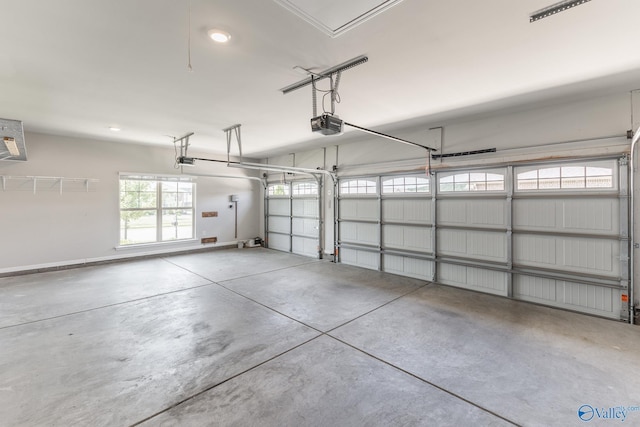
(405, 184)
(358, 186)
(278, 190)
(156, 209)
(471, 182)
(566, 177)
(304, 188)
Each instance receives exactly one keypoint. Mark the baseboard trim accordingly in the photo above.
(89, 262)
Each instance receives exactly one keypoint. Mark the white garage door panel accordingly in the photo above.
(536, 232)
(305, 227)
(489, 281)
(596, 300)
(279, 224)
(585, 215)
(406, 266)
(481, 245)
(304, 246)
(305, 207)
(292, 222)
(407, 237)
(279, 207)
(473, 212)
(359, 209)
(574, 254)
(355, 232)
(279, 242)
(413, 211)
(359, 258)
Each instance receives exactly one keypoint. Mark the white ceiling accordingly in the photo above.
(76, 67)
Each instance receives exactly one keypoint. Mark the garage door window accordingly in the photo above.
(585, 176)
(405, 184)
(304, 188)
(278, 190)
(359, 186)
(156, 209)
(472, 182)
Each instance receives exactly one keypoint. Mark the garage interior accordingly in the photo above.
(304, 224)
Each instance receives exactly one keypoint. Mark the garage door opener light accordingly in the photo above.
(11, 145)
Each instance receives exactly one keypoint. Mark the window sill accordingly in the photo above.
(156, 244)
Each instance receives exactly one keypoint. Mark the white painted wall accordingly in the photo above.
(505, 130)
(50, 229)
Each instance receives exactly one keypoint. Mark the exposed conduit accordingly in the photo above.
(206, 175)
(632, 305)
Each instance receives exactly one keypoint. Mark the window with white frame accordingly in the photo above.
(278, 190)
(358, 186)
(405, 184)
(574, 176)
(304, 188)
(472, 181)
(156, 209)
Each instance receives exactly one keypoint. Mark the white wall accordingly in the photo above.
(504, 130)
(50, 229)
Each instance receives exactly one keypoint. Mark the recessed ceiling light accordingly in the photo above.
(219, 36)
(114, 129)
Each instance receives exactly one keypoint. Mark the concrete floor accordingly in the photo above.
(246, 337)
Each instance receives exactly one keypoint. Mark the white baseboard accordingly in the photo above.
(135, 253)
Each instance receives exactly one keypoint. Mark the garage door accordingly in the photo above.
(473, 230)
(386, 223)
(550, 233)
(570, 236)
(293, 221)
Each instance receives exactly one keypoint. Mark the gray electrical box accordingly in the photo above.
(233, 197)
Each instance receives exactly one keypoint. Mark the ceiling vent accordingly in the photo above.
(335, 17)
(12, 146)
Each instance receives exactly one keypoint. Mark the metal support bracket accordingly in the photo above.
(228, 131)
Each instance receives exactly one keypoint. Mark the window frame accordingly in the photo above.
(358, 181)
(468, 182)
(159, 207)
(285, 186)
(609, 164)
(311, 186)
(404, 185)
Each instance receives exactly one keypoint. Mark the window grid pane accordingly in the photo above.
(143, 214)
(278, 190)
(358, 186)
(138, 226)
(177, 224)
(568, 177)
(408, 184)
(472, 182)
(305, 188)
(138, 194)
